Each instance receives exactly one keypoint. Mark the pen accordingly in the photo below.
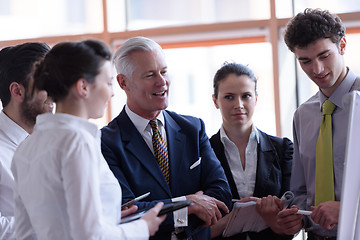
(304, 212)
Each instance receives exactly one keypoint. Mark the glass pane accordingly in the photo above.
(351, 55)
(116, 15)
(4, 7)
(335, 6)
(284, 7)
(38, 18)
(192, 71)
(287, 88)
(142, 14)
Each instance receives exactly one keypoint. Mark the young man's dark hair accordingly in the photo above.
(16, 62)
(311, 25)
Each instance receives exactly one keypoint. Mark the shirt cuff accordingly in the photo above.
(181, 215)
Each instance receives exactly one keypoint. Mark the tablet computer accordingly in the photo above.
(167, 208)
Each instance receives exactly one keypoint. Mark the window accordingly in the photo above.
(284, 8)
(143, 14)
(38, 18)
(5, 8)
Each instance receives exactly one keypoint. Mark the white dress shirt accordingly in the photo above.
(64, 188)
(11, 135)
(244, 178)
(144, 128)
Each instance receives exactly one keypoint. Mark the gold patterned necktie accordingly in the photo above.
(324, 175)
(160, 150)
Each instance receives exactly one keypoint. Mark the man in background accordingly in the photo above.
(317, 38)
(150, 149)
(21, 104)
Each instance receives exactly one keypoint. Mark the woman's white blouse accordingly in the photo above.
(244, 178)
(64, 188)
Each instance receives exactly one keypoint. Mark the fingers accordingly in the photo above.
(278, 202)
(221, 206)
(152, 220)
(157, 207)
(290, 222)
(128, 210)
(326, 214)
(269, 205)
(287, 212)
(206, 208)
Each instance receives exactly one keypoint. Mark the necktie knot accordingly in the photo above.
(154, 125)
(328, 107)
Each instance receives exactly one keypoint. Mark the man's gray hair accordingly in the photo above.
(121, 58)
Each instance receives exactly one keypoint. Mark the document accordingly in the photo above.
(244, 217)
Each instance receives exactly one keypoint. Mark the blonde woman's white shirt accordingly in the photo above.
(64, 188)
(11, 135)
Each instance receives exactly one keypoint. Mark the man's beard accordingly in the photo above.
(30, 109)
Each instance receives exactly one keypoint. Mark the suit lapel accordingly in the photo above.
(220, 153)
(264, 165)
(136, 145)
(175, 143)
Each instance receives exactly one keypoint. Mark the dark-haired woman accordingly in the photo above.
(64, 188)
(255, 163)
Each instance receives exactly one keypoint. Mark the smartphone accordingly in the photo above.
(173, 206)
(131, 202)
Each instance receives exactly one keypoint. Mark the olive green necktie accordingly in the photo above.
(324, 176)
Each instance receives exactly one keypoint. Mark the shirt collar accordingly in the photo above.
(340, 91)
(14, 131)
(254, 135)
(142, 123)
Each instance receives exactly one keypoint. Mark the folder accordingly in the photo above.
(245, 218)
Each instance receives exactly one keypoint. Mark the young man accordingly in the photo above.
(187, 167)
(317, 39)
(17, 118)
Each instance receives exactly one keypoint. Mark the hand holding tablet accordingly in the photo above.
(167, 208)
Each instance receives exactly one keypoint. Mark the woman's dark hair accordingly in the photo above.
(232, 68)
(16, 65)
(66, 63)
(311, 25)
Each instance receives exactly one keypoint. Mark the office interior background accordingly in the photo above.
(198, 37)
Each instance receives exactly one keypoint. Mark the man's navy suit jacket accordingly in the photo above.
(274, 161)
(138, 172)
